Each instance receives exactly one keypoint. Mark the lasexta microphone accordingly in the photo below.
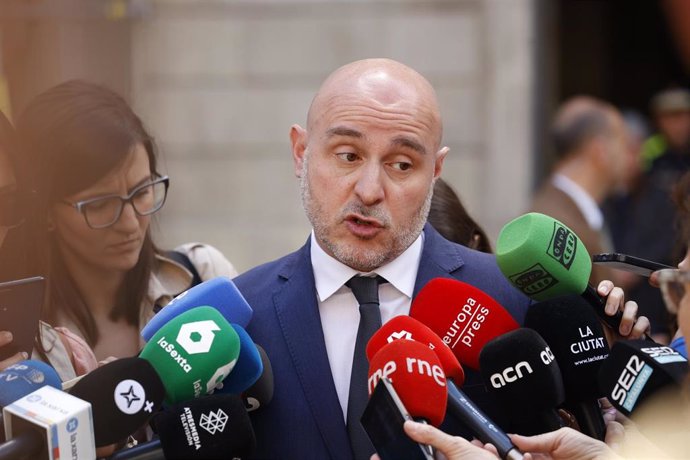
(577, 340)
(192, 353)
(248, 368)
(220, 293)
(405, 327)
(521, 372)
(210, 427)
(123, 394)
(638, 369)
(543, 258)
(465, 317)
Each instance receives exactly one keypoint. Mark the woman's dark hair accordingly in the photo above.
(450, 218)
(68, 138)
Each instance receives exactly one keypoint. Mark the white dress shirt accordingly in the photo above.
(583, 200)
(339, 310)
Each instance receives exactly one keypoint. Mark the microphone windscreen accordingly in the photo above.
(220, 293)
(248, 368)
(576, 338)
(542, 257)
(417, 377)
(521, 372)
(123, 394)
(192, 353)
(465, 317)
(210, 427)
(406, 327)
(261, 392)
(25, 377)
(637, 369)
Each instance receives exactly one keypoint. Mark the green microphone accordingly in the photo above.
(192, 353)
(545, 259)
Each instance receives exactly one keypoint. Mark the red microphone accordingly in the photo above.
(465, 317)
(417, 376)
(405, 327)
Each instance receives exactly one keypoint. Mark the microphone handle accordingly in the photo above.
(151, 450)
(599, 305)
(589, 418)
(25, 446)
(479, 424)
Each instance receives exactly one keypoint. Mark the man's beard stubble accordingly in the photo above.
(364, 260)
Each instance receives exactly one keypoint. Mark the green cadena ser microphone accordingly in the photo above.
(545, 259)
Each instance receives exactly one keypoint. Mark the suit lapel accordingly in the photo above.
(439, 259)
(298, 316)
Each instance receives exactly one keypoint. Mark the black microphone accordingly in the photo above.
(261, 392)
(209, 427)
(520, 370)
(638, 369)
(577, 340)
(124, 394)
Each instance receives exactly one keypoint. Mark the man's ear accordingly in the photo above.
(440, 157)
(298, 140)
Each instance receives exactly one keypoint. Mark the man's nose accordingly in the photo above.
(369, 187)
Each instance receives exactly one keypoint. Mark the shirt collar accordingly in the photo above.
(585, 203)
(330, 274)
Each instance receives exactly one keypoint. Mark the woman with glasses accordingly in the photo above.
(91, 170)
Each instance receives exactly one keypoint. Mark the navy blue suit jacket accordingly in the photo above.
(304, 419)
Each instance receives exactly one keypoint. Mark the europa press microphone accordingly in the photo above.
(192, 353)
(545, 259)
(520, 370)
(465, 317)
(220, 293)
(210, 427)
(576, 338)
(405, 328)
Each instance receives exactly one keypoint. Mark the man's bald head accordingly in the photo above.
(387, 82)
(579, 120)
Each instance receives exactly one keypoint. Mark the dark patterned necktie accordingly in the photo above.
(366, 291)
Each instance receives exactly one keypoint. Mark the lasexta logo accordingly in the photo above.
(197, 337)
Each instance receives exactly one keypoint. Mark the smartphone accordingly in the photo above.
(383, 420)
(20, 311)
(628, 263)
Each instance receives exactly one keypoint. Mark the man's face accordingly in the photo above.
(675, 126)
(367, 170)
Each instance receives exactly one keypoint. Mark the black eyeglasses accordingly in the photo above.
(104, 211)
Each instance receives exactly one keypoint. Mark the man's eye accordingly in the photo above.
(347, 156)
(402, 165)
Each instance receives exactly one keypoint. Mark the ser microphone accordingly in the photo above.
(210, 427)
(465, 317)
(46, 423)
(124, 394)
(520, 370)
(637, 369)
(220, 292)
(192, 353)
(462, 408)
(576, 337)
(544, 259)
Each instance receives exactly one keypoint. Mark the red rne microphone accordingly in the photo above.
(404, 327)
(465, 318)
(417, 376)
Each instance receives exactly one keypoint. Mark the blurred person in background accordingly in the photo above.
(91, 171)
(640, 216)
(450, 218)
(590, 142)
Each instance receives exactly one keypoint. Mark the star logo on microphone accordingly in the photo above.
(214, 422)
(130, 396)
(72, 425)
